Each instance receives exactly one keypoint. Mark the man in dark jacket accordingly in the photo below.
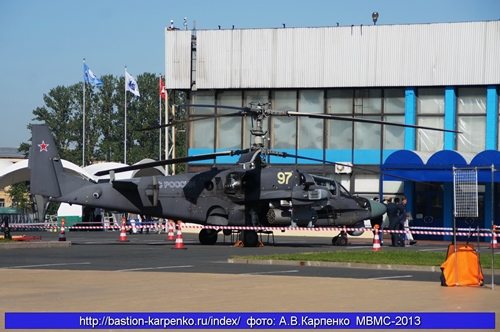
(394, 210)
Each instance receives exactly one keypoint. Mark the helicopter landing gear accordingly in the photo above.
(340, 240)
(249, 238)
(208, 236)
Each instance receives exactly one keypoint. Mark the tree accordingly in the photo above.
(18, 194)
(105, 121)
(61, 114)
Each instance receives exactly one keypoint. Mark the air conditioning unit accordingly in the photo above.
(343, 168)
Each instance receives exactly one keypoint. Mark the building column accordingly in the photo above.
(450, 117)
(491, 118)
(410, 117)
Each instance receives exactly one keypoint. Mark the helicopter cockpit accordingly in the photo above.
(333, 186)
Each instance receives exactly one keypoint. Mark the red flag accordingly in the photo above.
(163, 91)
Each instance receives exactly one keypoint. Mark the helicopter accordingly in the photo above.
(251, 194)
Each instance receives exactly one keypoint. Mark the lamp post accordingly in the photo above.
(375, 18)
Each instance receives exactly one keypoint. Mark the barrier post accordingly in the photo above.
(376, 239)
(494, 243)
(62, 233)
(123, 232)
(170, 235)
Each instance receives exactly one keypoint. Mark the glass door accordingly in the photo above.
(428, 210)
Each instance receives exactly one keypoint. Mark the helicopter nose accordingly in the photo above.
(377, 209)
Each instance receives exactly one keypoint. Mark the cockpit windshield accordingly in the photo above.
(343, 191)
(333, 186)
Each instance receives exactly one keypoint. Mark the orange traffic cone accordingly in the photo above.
(376, 240)
(179, 244)
(123, 232)
(62, 233)
(170, 235)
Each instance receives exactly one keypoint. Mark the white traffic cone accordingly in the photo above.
(179, 244)
(123, 232)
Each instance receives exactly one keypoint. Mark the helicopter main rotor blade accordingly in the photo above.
(343, 118)
(260, 111)
(175, 123)
(216, 106)
(285, 155)
(172, 161)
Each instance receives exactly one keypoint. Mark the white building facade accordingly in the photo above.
(444, 75)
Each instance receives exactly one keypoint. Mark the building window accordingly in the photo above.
(339, 133)
(394, 111)
(283, 135)
(229, 128)
(207, 127)
(430, 113)
(367, 105)
(471, 119)
(2, 202)
(311, 130)
(371, 104)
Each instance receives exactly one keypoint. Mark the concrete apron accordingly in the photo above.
(26, 290)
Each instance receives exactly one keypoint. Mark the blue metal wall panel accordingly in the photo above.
(366, 157)
(339, 155)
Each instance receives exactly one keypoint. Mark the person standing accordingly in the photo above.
(406, 223)
(394, 210)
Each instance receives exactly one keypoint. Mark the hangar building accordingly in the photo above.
(444, 75)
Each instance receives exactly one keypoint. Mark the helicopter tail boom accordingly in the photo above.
(48, 177)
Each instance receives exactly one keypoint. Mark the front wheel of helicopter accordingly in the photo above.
(250, 238)
(207, 236)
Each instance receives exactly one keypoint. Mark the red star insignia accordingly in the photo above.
(43, 146)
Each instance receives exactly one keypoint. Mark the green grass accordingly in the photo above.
(393, 257)
(6, 240)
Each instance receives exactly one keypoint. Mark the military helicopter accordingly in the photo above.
(250, 194)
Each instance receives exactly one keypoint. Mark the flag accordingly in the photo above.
(163, 91)
(131, 84)
(89, 77)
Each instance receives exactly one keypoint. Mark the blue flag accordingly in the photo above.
(89, 76)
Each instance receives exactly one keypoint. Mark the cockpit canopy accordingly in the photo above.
(333, 186)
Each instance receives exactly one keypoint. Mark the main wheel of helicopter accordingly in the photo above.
(342, 240)
(207, 236)
(250, 238)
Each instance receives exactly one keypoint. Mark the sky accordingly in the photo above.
(43, 42)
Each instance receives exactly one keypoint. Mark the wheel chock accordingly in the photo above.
(260, 244)
(239, 243)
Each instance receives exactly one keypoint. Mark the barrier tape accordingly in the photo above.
(261, 228)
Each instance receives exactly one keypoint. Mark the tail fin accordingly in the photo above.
(48, 177)
(44, 162)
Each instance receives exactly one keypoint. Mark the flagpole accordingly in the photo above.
(167, 156)
(83, 138)
(125, 133)
(159, 103)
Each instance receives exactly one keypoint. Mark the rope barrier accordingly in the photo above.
(413, 230)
